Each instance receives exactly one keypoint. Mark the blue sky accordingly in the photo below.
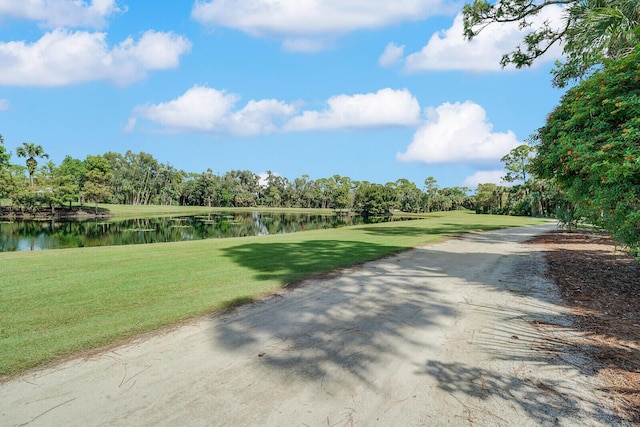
(373, 90)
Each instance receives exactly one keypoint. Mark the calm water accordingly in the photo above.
(38, 235)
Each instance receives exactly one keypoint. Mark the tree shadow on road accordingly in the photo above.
(550, 402)
(356, 320)
(347, 323)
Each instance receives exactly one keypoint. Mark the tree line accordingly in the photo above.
(140, 179)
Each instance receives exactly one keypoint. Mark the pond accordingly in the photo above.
(59, 234)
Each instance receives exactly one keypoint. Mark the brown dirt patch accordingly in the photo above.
(600, 282)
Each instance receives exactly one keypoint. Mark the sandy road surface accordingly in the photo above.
(466, 332)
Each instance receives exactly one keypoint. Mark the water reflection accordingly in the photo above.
(58, 234)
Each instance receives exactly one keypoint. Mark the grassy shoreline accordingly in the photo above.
(155, 210)
(57, 303)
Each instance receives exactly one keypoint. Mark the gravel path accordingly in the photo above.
(465, 332)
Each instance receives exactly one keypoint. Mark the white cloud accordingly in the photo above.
(62, 57)
(387, 107)
(200, 109)
(304, 18)
(61, 13)
(131, 125)
(204, 109)
(260, 117)
(484, 177)
(4, 104)
(458, 133)
(391, 56)
(448, 50)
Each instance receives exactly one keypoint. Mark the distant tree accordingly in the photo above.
(341, 195)
(489, 198)
(239, 188)
(97, 178)
(4, 165)
(325, 188)
(31, 151)
(67, 179)
(274, 193)
(374, 199)
(518, 163)
(14, 183)
(4, 156)
(408, 195)
(456, 197)
(430, 190)
(305, 192)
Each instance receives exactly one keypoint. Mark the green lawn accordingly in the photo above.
(138, 211)
(59, 302)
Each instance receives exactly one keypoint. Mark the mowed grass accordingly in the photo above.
(138, 211)
(60, 302)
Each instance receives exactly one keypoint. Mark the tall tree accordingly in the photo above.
(325, 188)
(373, 199)
(489, 198)
(4, 165)
(273, 193)
(305, 192)
(4, 156)
(239, 188)
(341, 197)
(31, 151)
(430, 191)
(456, 197)
(97, 177)
(590, 145)
(409, 195)
(591, 30)
(518, 163)
(68, 178)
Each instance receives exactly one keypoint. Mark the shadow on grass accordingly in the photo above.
(346, 323)
(289, 262)
(422, 231)
(446, 229)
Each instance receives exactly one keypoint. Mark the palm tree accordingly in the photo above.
(31, 151)
(602, 29)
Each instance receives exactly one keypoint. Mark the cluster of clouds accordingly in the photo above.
(450, 133)
(205, 109)
(62, 57)
(74, 49)
(312, 25)
(61, 13)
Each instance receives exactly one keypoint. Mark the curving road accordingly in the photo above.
(465, 332)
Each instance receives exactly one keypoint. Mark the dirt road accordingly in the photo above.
(466, 332)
